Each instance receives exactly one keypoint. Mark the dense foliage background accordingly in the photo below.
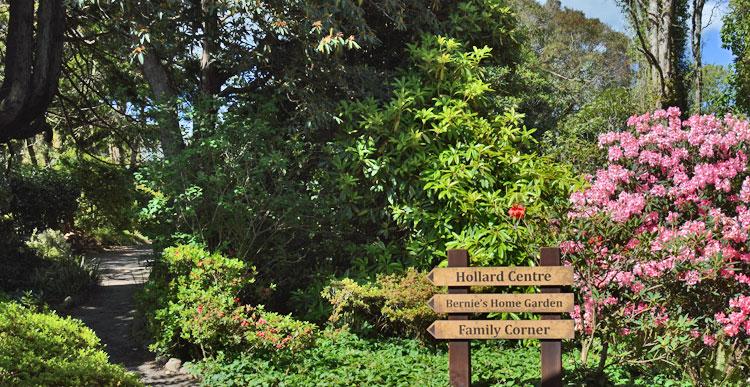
(298, 165)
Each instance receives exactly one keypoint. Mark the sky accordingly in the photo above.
(608, 12)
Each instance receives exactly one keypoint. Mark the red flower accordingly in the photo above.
(200, 308)
(244, 323)
(517, 211)
(237, 300)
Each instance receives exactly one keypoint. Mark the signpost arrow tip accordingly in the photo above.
(430, 276)
(431, 303)
(431, 329)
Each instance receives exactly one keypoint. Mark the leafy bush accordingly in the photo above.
(60, 272)
(433, 168)
(250, 194)
(30, 199)
(193, 305)
(108, 204)
(42, 199)
(44, 349)
(392, 305)
(17, 262)
(575, 140)
(659, 242)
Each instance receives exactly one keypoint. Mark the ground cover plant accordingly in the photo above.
(341, 358)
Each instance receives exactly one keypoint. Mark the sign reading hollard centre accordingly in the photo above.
(501, 276)
(459, 303)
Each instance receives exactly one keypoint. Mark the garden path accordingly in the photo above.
(110, 311)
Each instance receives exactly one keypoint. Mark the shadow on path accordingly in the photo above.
(110, 311)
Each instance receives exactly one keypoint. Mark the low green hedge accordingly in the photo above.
(44, 349)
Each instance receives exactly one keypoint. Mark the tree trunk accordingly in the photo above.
(210, 77)
(659, 27)
(17, 81)
(32, 66)
(32, 153)
(654, 39)
(134, 153)
(695, 37)
(167, 116)
(664, 17)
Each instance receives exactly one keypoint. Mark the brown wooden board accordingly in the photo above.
(502, 276)
(484, 303)
(459, 351)
(501, 329)
(551, 350)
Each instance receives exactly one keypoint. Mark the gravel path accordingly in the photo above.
(110, 310)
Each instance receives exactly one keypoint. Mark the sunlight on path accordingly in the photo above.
(110, 310)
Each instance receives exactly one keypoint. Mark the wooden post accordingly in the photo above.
(551, 349)
(459, 351)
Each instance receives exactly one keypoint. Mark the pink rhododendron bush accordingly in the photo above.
(659, 241)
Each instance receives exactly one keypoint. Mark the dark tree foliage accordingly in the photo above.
(736, 34)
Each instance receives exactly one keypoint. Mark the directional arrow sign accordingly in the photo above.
(502, 276)
(482, 303)
(501, 329)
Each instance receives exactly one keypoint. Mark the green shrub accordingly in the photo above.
(394, 304)
(434, 167)
(192, 304)
(108, 204)
(575, 140)
(252, 194)
(50, 244)
(42, 199)
(30, 199)
(43, 349)
(17, 262)
(60, 273)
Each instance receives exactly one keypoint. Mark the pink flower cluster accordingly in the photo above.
(739, 317)
(682, 189)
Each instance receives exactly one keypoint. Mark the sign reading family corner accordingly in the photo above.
(501, 329)
(502, 276)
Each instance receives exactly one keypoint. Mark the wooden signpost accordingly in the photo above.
(458, 303)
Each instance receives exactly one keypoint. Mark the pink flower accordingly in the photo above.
(614, 153)
(571, 247)
(200, 309)
(692, 277)
(709, 340)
